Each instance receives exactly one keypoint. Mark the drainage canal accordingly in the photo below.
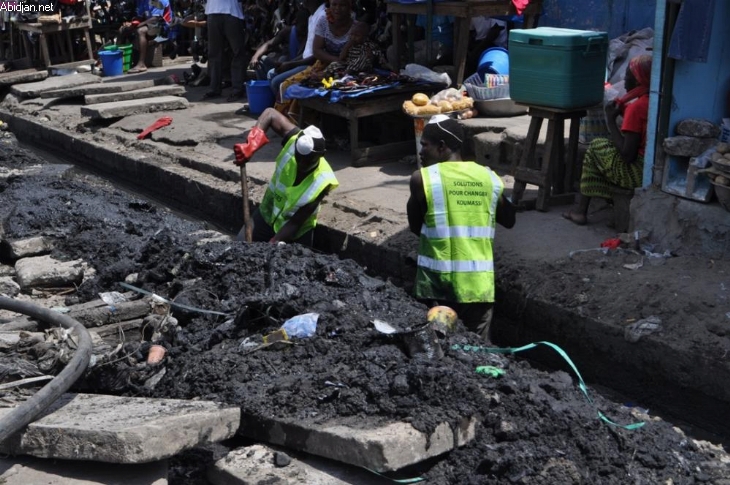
(375, 381)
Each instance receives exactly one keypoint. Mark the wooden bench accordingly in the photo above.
(353, 109)
(557, 174)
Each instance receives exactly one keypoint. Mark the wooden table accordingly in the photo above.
(43, 30)
(380, 102)
(462, 13)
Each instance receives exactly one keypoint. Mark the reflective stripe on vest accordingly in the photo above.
(455, 266)
(318, 184)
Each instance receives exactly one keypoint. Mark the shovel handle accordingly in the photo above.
(247, 223)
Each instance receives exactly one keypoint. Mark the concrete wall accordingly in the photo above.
(613, 16)
(701, 89)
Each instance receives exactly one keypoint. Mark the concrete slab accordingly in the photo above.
(33, 90)
(24, 76)
(257, 464)
(98, 88)
(31, 471)
(23, 248)
(386, 448)
(120, 109)
(148, 92)
(44, 271)
(115, 429)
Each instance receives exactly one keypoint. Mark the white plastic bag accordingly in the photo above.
(301, 326)
(418, 71)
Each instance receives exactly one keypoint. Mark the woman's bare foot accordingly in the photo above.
(575, 218)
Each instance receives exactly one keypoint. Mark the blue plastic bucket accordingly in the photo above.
(260, 96)
(112, 62)
(494, 60)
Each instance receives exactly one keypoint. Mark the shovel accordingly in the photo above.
(247, 223)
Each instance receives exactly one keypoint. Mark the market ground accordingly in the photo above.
(548, 288)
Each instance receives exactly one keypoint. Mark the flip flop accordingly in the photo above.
(569, 216)
(136, 70)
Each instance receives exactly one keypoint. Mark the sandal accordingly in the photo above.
(136, 70)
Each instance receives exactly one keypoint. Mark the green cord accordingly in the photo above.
(561, 352)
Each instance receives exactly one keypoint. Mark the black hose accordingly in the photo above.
(24, 414)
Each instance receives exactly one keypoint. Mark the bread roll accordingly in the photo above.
(420, 99)
(410, 108)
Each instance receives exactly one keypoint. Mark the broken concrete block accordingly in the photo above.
(6, 270)
(8, 339)
(257, 464)
(8, 286)
(24, 76)
(33, 90)
(151, 92)
(119, 109)
(698, 128)
(99, 88)
(44, 271)
(687, 146)
(27, 470)
(115, 429)
(383, 449)
(23, 248)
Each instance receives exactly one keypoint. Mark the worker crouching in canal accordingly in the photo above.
(301, 180)
(453, 207)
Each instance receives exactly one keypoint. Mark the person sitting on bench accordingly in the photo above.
(149, 25)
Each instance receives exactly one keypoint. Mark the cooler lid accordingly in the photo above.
(553, 36)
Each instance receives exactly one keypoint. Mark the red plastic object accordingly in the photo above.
(611, 243)
(164, 121)
(244, 151)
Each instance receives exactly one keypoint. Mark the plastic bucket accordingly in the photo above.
(111, 62)
(259, 96)
(494, 60)
(127, 53)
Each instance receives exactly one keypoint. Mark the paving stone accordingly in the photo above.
(687, 146)
(33, 90)
(44, 271)
(256, 465)
(23, 248)
(35, 471)
(148, 92)
(115, 429)
(385, 448)
(99, 88)
(24, 76)
(8, 286)
(120, 109)
(698, 128)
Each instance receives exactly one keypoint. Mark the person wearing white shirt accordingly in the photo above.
(289, 68)
(225, 24)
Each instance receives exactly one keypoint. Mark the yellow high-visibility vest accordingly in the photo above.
(283, 199)
(455, 259)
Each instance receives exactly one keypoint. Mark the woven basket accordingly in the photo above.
(476, 89)
(481, 93)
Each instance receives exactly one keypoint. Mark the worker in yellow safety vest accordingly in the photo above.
(453, 207)
(301, 180)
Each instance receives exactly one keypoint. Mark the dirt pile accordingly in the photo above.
(535, 427)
